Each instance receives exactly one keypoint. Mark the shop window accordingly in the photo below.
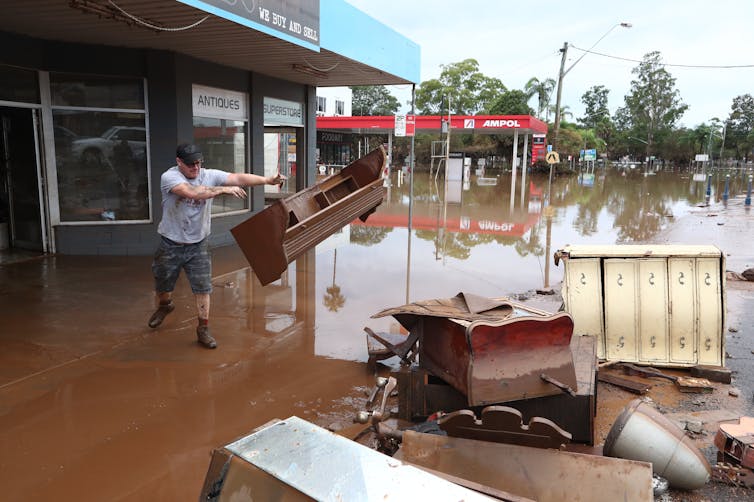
(96, 92)
(99, 127)
(223, 143)
(18, 84)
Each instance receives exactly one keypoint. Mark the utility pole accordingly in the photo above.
(561, 74)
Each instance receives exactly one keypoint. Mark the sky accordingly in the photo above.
(515, 41)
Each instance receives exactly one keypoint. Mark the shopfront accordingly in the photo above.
(94, 100)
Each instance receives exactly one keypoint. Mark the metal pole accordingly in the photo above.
(410, 196)
(513, 167)
(524, 167)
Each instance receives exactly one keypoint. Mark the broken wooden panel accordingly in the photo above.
(499, 361)
(277, 235)
(502, 424)
(736, 440)
(544, 475)
(420, 394)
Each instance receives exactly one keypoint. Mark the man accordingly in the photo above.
(187, 192)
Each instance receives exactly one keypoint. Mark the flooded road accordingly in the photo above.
(479, 238)
(94, 405)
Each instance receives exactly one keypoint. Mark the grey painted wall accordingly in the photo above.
(169, 78)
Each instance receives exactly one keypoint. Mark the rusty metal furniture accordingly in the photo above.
(277, 235)
(420, 394)
(736, 442)
(494, 351)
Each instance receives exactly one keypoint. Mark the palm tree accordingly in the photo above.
(543, 90)
(333, 299)
(563, 111)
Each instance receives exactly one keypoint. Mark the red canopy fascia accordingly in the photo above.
(479, 124)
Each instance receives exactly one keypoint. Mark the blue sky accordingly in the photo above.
(514, 41)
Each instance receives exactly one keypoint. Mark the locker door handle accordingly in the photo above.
(652, 341)
(652, 280)
(621, 342)
(680, 278)
(620, 280)
(708, 343)
(707, 279)
(583, 278)
(683, 342)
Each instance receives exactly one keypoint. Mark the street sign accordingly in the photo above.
(588, 154)
(410, 125)
(552, 158)
(400, 125)
(549, 148)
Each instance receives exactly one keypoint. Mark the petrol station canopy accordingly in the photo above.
(476, 124)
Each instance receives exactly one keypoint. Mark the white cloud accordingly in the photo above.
(514, 41)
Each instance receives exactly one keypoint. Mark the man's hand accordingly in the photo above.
(278, 179)
(237, 192)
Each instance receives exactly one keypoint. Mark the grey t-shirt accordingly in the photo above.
(187, 220)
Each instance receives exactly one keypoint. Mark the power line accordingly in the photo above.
(662, 64)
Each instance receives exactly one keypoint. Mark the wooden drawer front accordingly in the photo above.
(653, 310)
(583, 299)
(621, 325)
(681, 285)
(709, 311)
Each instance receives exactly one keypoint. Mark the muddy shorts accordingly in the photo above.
(194, 259)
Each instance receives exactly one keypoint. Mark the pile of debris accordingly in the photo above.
(496, 400)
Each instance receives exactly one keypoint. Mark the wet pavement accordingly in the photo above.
(94, 405)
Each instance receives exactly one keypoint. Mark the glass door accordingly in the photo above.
(21, 192)
(280, 157)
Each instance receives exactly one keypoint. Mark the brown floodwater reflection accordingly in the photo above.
(476, 236)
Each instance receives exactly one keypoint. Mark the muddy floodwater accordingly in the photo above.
(94, 405)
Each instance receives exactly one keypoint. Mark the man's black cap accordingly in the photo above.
(188, 153)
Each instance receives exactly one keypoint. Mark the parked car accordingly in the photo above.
(96, 150)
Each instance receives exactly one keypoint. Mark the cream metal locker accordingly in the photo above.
(669, 310)
(682, 292)
(653, 310)
(621, 324)
(582, 293)
(709, 308)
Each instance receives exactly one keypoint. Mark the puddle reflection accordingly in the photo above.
(475, 237)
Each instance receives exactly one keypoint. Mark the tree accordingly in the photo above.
(740, 125)
(513, 102)
(653, 105)
(542, 89)
(373, 100)
(595, 103)
(467, 89)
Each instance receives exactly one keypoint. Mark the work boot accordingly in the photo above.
(159, 315)
(202, 334)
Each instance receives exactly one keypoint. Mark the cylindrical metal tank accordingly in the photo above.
(642, 433)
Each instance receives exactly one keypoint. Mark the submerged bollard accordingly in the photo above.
(726, 193)
(747, 202)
